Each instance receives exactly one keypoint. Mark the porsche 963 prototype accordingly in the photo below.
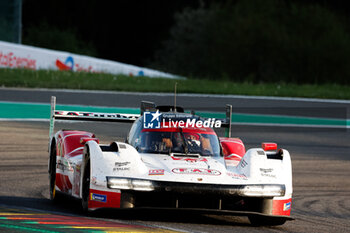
(171, 160)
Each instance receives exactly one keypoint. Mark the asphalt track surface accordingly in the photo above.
(215, 103)
(320, 158)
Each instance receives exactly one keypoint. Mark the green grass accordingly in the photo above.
(97, 81)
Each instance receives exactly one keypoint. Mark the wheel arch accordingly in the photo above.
(92, 153)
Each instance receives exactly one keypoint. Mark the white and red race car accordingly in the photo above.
(169, 160)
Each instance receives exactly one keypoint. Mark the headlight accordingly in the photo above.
(134, 184)
(142, 185)
(118, 183)
(264, 190)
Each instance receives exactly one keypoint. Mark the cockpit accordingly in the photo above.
(178, 141)
(174, 139)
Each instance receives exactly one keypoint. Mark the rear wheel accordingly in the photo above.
(86, 180)
(266, 221)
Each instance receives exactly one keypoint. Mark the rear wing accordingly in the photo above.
(121, 117)
(87, 116)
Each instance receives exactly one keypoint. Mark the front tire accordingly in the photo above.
(52, 173)
(86, 180)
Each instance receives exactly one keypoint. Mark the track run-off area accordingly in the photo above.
(314, 131)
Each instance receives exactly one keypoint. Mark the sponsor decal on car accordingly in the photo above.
(244, 163)
(121, 169)
(267, 172)
(190, 160)
(93, 179)
(199, 171)
(287, 206)
(237, 176)
(98, 197)
(121, 164)
(156, 172)
(99, 115)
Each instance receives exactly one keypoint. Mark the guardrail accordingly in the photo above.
(23, 56)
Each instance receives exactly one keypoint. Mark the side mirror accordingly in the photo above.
(147, 107)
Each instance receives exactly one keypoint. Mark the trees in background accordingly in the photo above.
(300, 41)
(49, 36)
(125, 31)
(259, 41)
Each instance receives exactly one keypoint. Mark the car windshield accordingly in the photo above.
(179, 142)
